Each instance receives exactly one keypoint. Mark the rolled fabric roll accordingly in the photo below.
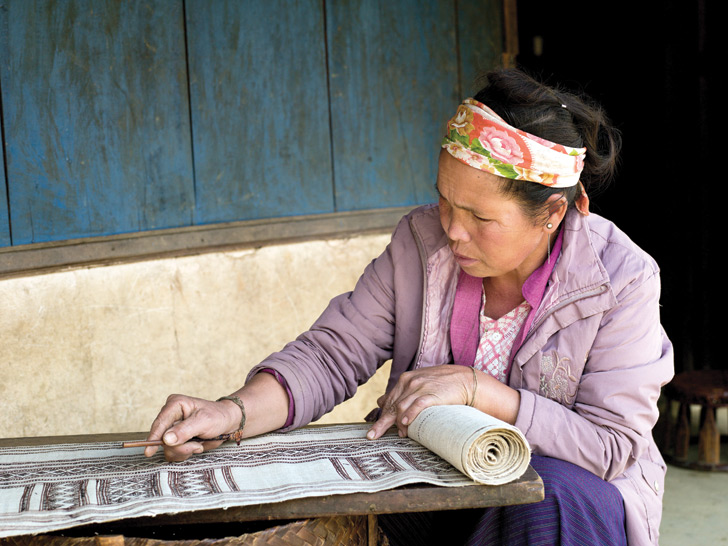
(486, 449)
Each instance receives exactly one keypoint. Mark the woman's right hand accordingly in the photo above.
(185, 417)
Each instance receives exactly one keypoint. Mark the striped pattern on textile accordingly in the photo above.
(579, 509)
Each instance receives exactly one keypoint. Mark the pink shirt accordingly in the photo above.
(497, 337)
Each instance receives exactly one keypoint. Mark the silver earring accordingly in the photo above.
(548, 245)
(549, 225)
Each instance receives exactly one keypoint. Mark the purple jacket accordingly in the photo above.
(589, 370)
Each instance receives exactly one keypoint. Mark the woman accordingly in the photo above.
(549, 315)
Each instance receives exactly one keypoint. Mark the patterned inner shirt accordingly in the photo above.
(497, 337)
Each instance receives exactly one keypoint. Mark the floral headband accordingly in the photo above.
(479, 137)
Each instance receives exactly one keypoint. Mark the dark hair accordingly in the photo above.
(536, 108)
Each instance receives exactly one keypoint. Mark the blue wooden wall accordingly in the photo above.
(131, 116)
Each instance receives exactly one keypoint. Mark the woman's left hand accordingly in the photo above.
(420, 389)
(443, 385)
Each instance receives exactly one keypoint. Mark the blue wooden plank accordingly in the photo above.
(394, 84)
(259, 107)
(480, 39)
(5, 237)
(96, 118)
(4, 218)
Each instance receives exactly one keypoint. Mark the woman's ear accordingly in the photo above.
(556, 207)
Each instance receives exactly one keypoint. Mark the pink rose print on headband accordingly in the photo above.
(501, 145)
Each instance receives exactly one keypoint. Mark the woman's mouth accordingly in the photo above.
(464, 260)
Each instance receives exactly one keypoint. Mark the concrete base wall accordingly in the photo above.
(99, 349)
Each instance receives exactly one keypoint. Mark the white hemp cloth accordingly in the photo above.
(46, 488)
(53, 487)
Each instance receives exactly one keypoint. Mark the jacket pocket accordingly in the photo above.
(651, 491)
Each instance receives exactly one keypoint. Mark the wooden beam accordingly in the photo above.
(88, 252)
(510, 26)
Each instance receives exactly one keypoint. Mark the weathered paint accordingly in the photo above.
(4, 219)
(481, 39)
(5, 238)
(259, 109)
(393, 77)
(96, 118)
(294, 108)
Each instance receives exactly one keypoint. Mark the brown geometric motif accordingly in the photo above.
(193, 484)
(374, 467)
(58, 496)
(25, 499)
(426, 461)
(124, 488)
(52, 471)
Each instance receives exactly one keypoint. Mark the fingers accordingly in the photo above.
(400, 409)
(387, 418)
(181, 419)
(417, 390)
(170, 413)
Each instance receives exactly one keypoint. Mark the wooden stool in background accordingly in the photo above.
(709, 390)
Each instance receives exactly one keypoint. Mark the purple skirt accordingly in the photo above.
(578, 508)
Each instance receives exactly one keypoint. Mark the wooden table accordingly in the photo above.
(359, 509)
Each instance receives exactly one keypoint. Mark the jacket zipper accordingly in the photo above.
(535, 326)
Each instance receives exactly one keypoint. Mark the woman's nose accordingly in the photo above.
(456, 229)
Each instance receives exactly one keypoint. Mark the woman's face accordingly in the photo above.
(487, 232)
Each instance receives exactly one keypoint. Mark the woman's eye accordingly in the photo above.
(480, 219)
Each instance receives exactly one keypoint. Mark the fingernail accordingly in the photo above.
(405, 421)
(371, 434)
(170, 438)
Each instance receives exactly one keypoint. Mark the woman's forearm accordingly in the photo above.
(266, 405)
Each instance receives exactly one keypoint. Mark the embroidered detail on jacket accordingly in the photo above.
(442, 276)
(556, 381)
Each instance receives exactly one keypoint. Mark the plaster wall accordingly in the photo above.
(99, 349)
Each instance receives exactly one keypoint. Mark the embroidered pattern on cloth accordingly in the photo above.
(497, 337)
(47, 488)
(557, 382)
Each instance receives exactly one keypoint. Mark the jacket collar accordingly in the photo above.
(426, 226)
(579, 271)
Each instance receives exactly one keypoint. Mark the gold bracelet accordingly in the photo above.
(475, 387)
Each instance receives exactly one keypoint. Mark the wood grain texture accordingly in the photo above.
(480, 40)
(5, 237)
(96, 118)
(4, 218)
(393, 78)
(167, 243)
(125, 117)
(259, 109)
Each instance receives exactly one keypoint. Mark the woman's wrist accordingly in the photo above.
(266, 404)
(495, 398)
(235, 420)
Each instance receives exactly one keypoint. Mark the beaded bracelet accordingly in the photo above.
(238, 434)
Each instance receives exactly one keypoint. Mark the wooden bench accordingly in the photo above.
(709, 390)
